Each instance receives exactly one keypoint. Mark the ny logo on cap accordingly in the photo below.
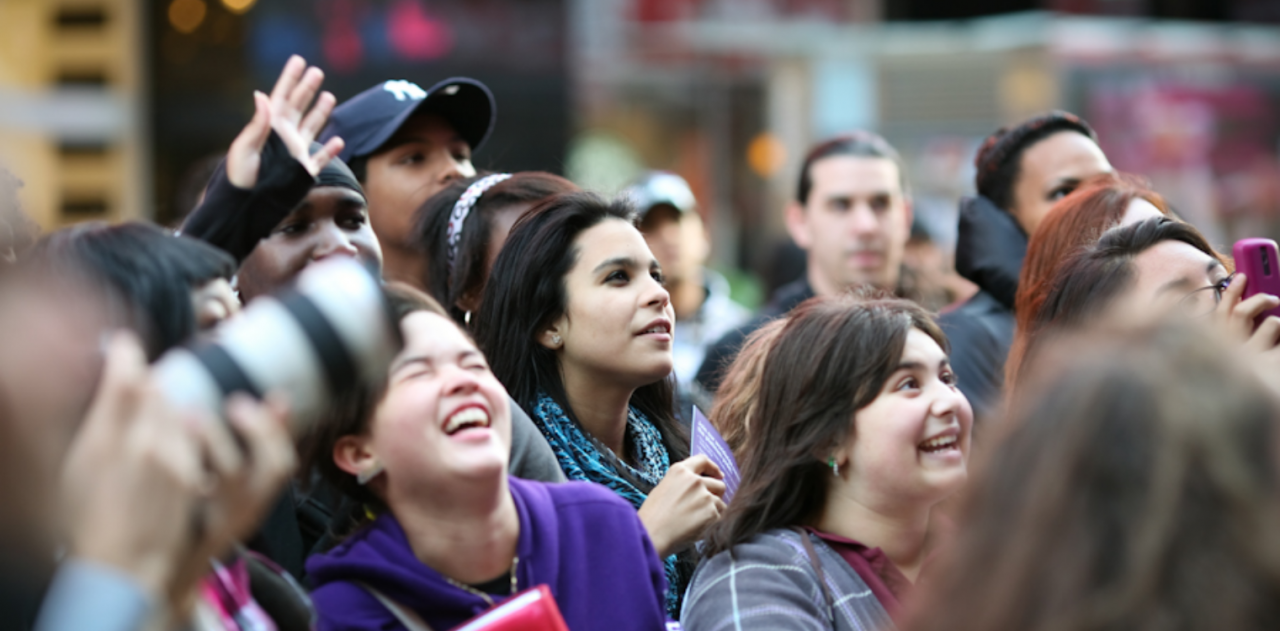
(405, 90)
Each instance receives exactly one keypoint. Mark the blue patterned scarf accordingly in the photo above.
(580, 458)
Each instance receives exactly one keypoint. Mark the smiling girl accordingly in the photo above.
(578, 326)
(860, 433)
(451, 533)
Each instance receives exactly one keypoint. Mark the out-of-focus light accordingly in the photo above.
(186, 15)
(766, 154)
(238, 6)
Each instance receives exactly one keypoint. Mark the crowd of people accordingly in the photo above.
(1091, 441)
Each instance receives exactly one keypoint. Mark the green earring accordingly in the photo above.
(835, 466)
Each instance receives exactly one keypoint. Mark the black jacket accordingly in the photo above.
(989, 252)
(723, 352)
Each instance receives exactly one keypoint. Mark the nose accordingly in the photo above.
(658, 295)
(948, 403)
(461, 382)
(455, 170)
(332, 241)
(864, 220)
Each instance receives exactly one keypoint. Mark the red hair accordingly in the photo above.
(1073, 223)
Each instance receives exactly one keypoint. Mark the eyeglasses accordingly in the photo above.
(1203, 301)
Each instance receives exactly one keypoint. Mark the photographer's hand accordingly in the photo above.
(132, 475)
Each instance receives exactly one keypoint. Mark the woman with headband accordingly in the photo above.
(462, 228)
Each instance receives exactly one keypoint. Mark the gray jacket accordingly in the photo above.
(770, 582)
(531, 456)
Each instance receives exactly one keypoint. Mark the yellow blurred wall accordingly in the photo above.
(72, 92)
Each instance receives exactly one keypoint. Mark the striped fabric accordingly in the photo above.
(769, 583)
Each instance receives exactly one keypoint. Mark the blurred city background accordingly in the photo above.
(114, 109)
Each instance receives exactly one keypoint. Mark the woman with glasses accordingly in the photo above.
(1074, 223)
(1154, 267)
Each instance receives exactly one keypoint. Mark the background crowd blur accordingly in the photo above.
(117, 109)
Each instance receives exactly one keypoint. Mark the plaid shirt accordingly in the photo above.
(770, 583)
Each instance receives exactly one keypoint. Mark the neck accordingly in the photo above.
(820, 284)
(823, 286)
(600, 407)
(403, 265)
(687, 295)
(469, 533)
(903, 535)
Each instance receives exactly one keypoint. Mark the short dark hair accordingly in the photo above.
(449, 282)
(999, 160)
(151, 269)
(862, 144)
(831, 359)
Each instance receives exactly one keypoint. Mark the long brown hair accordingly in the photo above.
(737, 400)
(1137, 489)
(1076, 221)
(830, 360)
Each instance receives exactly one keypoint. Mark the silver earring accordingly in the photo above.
(835, 466)
(555, 340)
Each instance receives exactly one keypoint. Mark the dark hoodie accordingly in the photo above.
(580, 539)
(989, 252)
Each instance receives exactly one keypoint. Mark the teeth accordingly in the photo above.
(657, 329)
(939, 443)
(469, 417)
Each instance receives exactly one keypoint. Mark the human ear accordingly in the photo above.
(551, 337)
(354, 455)
(798, 224)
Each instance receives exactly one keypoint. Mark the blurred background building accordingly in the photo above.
(118, 108)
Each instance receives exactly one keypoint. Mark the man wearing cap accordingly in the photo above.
(674, 231)
(405, 144)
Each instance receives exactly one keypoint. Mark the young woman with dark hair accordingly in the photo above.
(1137, 489)
(1075, 222)
(449, 534)
(578, 327)
(859, 435)
(462, 228)
(1154, 267)
(173, 286)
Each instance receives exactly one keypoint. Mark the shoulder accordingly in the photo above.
(342, 605)
(575, 499)
(981, 319)
(765, 582)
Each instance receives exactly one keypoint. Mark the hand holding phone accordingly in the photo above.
(1258, 260)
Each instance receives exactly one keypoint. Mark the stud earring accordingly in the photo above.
(555, 340)
(835, 466)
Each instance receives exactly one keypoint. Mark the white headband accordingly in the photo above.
(463, 208)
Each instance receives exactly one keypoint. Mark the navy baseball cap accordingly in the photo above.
(368, 119)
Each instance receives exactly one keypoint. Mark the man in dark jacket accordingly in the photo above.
(851, 216)
(1021, 172)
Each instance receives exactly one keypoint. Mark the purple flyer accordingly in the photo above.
(706, 440)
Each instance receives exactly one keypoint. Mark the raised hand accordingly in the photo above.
(285, 111)
(687, 500)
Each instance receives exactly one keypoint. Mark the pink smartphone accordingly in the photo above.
(1257, 259)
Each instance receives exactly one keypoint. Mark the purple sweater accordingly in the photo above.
(581, 539)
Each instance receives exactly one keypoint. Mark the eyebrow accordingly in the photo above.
(620, 261)
(921, 365)
(1213, 264)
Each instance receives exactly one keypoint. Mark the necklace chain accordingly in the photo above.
(515, 562)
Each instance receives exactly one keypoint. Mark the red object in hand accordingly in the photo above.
(532, 610)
